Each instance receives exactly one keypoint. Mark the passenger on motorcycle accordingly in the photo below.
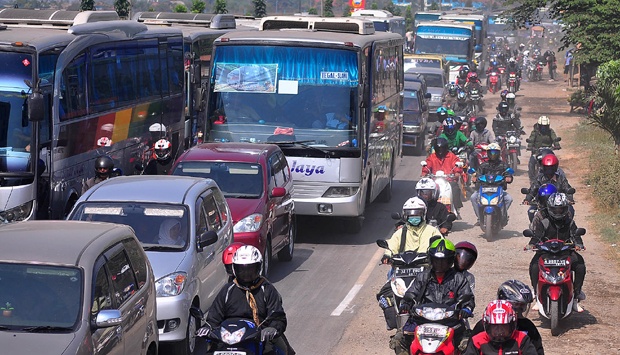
(251, 296)
(513, 67)
(162, 159)
(543, 194)
(416, 235)
(453, 135)
(558, 223)
(442, 284)
(500, 335)
(512, 105)
(520, 297)
(493, 166)
(466, 255)
(479, 135)
(549, 175)
(442, 159)
(504, 121)
(542, 136)
(502, 95)
(428, 191)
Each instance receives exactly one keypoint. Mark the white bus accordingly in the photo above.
(328, 91)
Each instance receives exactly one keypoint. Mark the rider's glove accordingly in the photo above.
(529, 247)
(203, 332)
(405, 307)
(579, 247)
(268, 334)
(385, 259)
(466, 313)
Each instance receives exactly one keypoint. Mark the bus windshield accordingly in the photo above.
(14, 124)
(284, 94)
(449, 47)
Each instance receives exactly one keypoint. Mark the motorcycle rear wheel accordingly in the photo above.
(554, 317)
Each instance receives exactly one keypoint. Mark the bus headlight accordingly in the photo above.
(341, 191)
(16, 214)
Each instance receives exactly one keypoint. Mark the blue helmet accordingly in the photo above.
(544, 191)
(449, 126)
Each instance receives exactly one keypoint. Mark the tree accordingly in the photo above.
(408, 19)
(313, 11)
(607, 99)
(122, 7)
(220, 7)
(87, 5)
(180, 8)
(346, 12)
(198, 6)
(328, 8)
(260, 8)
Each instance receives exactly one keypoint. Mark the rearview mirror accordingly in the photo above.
(570, 191)
(557, 139)
(108, 318)
(459, 164)
(451, 217)
(382, 244)
(396, 216)
(423, 163)
(528, 233)
(525, 190)
(510, 171)
(580, 231)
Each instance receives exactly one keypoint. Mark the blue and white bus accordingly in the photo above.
(328, 92)
(384, 21)
(480, 23)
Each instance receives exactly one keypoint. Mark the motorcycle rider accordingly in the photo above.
(227, 258)
(512, 105)
(549, 175)
(500, 335)
(442, 159)
(544, 191)
(549, 57)
(104, 166)
(502, 95)
(461, 80)
(251, 296)
(558, 223)
(520, 297)
(466, 255)
(453, 135)
(477, 136)
(493, 166)
(542, 136)
(162, 159)
(504, 121)
(461, 101)
(428, 191)
(442, 284)
(513, 67)
(416, 235)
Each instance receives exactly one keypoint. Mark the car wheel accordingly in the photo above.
(286, 254)
(188, 345)
(267, 258)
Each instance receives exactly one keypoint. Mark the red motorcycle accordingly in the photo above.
(501, 69)
(540, 66)
(494, 82)
(512, 82)
(554, 292)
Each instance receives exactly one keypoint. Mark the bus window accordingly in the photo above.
(73, 89)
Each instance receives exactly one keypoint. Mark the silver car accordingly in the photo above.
(184, 225)
(75, 288)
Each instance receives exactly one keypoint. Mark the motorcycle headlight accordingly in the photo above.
(16, 214)
(434, 314)
(554, 279)
(170, 285)
(231, 338)
(512, 139)
(250, 223)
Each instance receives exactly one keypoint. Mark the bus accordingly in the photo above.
(426, 16)
(199, 33)
(383, 20)
(454, 40)
(329, 93)
(480, 23)
(75, 86)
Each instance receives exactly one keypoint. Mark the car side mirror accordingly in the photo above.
(278, 192)
(107, 318)
(205, 239)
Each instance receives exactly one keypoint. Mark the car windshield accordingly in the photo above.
(39, 296)
(433, 80)
(410, 102)
(236, 180)
(163, 227)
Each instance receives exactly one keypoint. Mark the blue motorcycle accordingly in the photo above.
(492, 212)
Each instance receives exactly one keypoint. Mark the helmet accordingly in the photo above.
(543, 121)
(557, 206)
(450, 112)
(503, 108)
(526, 53)
(103, 166)
(472, 75)
(157, 128)
(458, 120)
(461, 95)
(493, 46)
(162, 148)
(480, 123)
(500, 321)
(427, 189)
(544, 191)
(494, 152)
(441, 254)
(466, 255)
(247, 265)
(463, 72)
(512, 60)
(494, 63)
(414, 206)
(503, 94)
(522, 45)
(104, 142)
(228, 254)
(549, 165)
(518, 294)
(452, 90)
(510, 98)
(449, 126)
(441, 147)
(442, 113)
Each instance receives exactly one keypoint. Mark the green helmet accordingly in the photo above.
(442, 249)
(451, 113)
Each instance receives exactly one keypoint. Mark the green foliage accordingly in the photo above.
(260, 8)
(198, 6)
(313, 11)
(408, 19)
(122, 7)
(180, 8)
(374, 6)
(220, 7)
(328, 8)
(607, 99)
(346, 11)
(434, 7)
(578, 99)
(87, 5)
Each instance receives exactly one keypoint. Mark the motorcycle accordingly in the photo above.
(492, 213)
(513, 145)
(463, 154)
(534, 207)
(531, 71)
(512, 82)
(533, 167)
(445, 189)
(554, 293)
(540, 66)
(474, 100)
(493, 82)
(480, 155)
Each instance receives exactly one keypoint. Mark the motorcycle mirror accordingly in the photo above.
(570, 191)
(139, 167)
(196, 312)
(525, 190)
(580, 231)
(471, 170)
(557, 139)
(528, 140)
(519, 108)
(395, 215)
(451, 217)
(528, 233)
(459, 164)
(465, 298)
(383, 244)
(423, 163)
(510, 171)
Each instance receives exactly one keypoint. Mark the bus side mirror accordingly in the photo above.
(195, 73)
(36, 103)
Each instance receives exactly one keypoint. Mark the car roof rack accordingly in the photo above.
(215, 21)
(334, 24)
(53, 18)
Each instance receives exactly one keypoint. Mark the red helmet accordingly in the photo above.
(472, 75)
(466, 255)
(500, 321)
(227, 256)
(549, 164)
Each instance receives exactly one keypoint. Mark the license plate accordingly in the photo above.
(488, 190)
(229, 352)
(555, 262)
(408, 272)
(432, 331)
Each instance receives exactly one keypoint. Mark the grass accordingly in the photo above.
(602, 177)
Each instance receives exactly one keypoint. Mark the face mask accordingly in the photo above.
(414, 220)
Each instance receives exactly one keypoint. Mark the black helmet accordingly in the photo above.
(480, 123)
(441, 147)
(441, 254)
(518, 294)
(503, 108)
(557, 206)
(103, 166)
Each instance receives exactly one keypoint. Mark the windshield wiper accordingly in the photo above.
(46, 328)
(240, 196)
(306, 145)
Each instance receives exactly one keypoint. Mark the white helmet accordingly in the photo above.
(247, 264)
(526, 53)
(414, 206)
(510, 95)
(163, 149)
(157, 128)
(543, 120)
(512, 60)
(427, 184)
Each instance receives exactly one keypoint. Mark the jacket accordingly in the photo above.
(485, 137)
(546, 228)
(418, 238)
(231, 302)
(427, 289)
(447, 164)
(523, 324)
(439, 212)
(558, 180)
(537, 139)
(501, 124)
(488, 167)
(519, 344)
(459, 140)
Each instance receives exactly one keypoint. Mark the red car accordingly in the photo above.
(257, 184)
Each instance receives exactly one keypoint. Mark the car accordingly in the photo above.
(75, 288)
(256, 182)
(184, 225)
(426, 61)
(436, 85)
(415, 118)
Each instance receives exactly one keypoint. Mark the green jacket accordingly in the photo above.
(458, 140)
(538, 140)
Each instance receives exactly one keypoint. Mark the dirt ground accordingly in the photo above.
(590, 332)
